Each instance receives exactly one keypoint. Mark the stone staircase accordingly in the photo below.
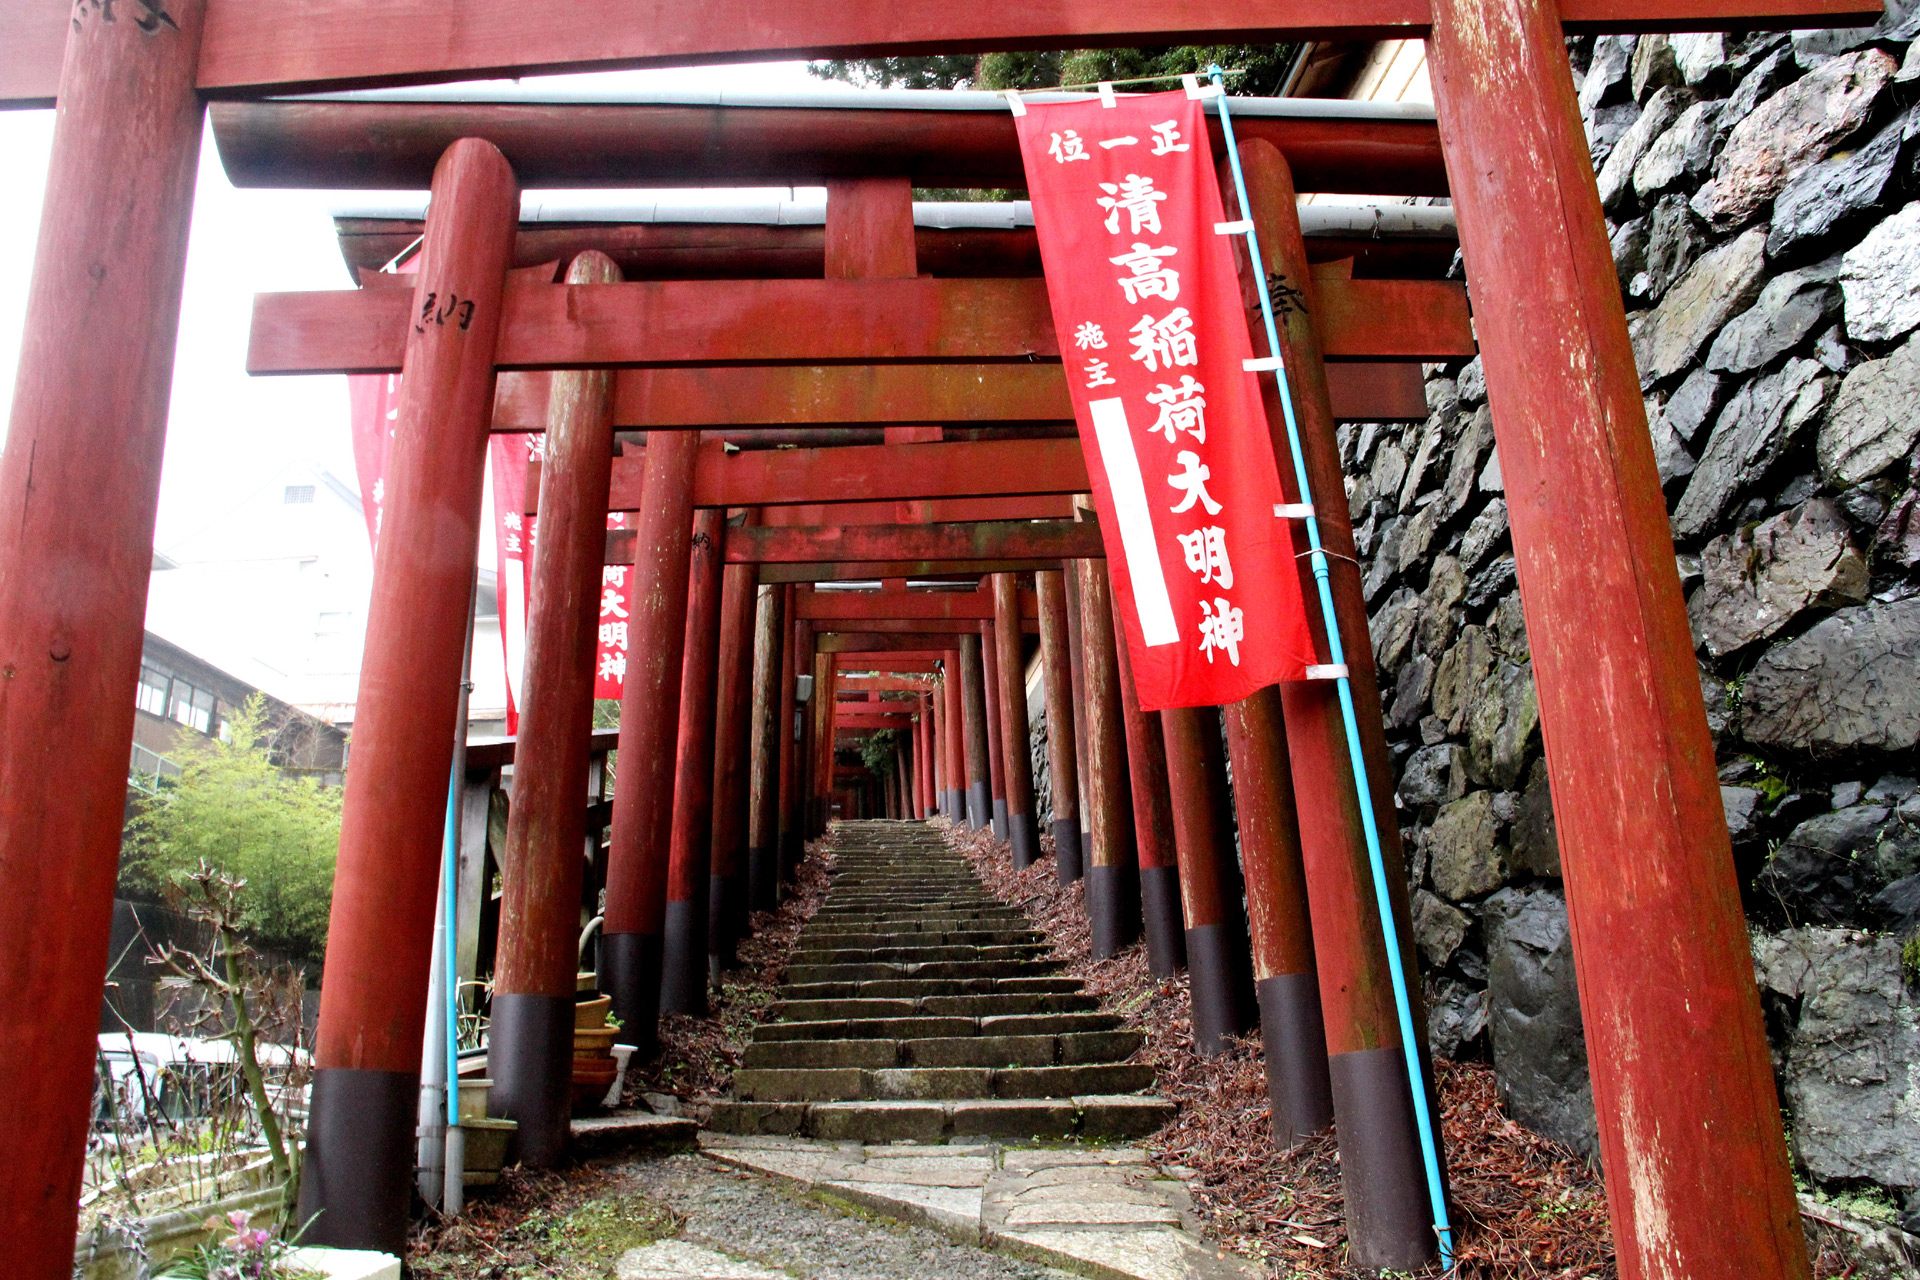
(918, 1008)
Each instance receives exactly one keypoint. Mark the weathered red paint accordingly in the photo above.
(549, 326)
(951, 606)
(1024, 540)
(1011, 610)
(1220, 985)
(733, 707)
(683, 985)
(1690, 1134)
(994, 706)
(763, 804)
(1063, 766)
(1112, 870)
(79, 481)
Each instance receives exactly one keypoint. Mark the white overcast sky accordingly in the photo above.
(228, 434)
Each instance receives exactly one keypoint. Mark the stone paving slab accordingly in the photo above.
(1100, 1212)
(678, 1260)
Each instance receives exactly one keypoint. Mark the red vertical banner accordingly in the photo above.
(610, 659)
(1154, 336)
(513, 533)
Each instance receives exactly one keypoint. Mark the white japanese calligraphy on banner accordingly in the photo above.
(1154, 336)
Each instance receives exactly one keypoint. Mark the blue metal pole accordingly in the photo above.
(1416, 1075)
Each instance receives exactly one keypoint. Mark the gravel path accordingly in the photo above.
(749, 1217)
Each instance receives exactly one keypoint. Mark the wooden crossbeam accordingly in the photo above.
(861, 473)
(252, 46)
(984, 539)
(394, 145)
(846, 662)
(847, 606)
(831, 395)
(843, 642)
(914, 626)
(860, 571)
(552, 326)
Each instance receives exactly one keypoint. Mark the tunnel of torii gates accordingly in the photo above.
(953, 370)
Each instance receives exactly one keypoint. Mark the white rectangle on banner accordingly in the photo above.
(1129, 492)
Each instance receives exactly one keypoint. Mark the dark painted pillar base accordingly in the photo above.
(793, 851)
(683, 959)
(726, 919)
(530, 1060)
(1389, 1222)
(956, 805)
(1165, 924)
(1066, 849)
(630, 973)
(1299, 1094)
(763, 879)
(999, 818)
(1113, 908)
(356, 1182)
(979, 807)
(1221, 987)
(1024, 834)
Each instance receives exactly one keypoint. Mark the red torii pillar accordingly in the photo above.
(1112, 874)
(769, 675)
(793, 739)
(995, 707)
(530, 1045)
(631, 944)
(1063, 765)
(1389, 1213)
(973, 713)
(733, 725)
(953, 717)
(1161, 912)
(1220, 978)
(683, 960)
(1689, 1119)
(1076, 667)
(1023, 830)
(79, 482)
(355, 1183)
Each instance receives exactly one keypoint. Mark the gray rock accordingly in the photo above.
(1829, 868)
(1670, 455)
(1489, 481)
(1792, 306)
(1410, 692)
(1607, 126)
(1434, 775)
(1456, 1014)
(1721, 712)
(1865, 505)
(1491, 582)
(1758, 78)
(1900, 23)
(1743, 811)
(1847, 794)
(1826, 198)
(1654, 66)
(1875, 419)
(1483, 534)
(1699, 57)
(1443, 400)
(1896, 539)
(1759, 424)
(1616, 175)
(1433, 731)
(1899, 905)
(1696, 400)
(1534, 839)
(1852, 1054)
(1759, 579)
(1510, 627)
(1417, 536)
(1852, 681)
(1502, 725)
(1466, 857)
(1430, 446)
(1891, 789)
(1683, 152)
(1718, 287)
(1880, 278)
(1675, 240)
(1386, 558)
(1462, 670)
(1795, 126)
(1473, 382)
(1831, 349)
(1688, 567)
(1438, 928)
(1629, 242)
(1446, 587)
(1389, 469)
(1393, 629)
(1474, 441)
(1607, 71)
(1539, 1047)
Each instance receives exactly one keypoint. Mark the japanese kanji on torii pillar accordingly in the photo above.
(1688, 1118)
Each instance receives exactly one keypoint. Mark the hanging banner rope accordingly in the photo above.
(1152, 328)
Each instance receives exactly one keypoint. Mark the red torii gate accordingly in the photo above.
(1687, 1120)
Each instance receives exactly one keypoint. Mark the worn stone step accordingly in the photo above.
(806, 973)
(984, 1006)
(847, 1084)
(916, 988)
(905, 1027)
(913, 955)
(1091, 1118)
(832, 937)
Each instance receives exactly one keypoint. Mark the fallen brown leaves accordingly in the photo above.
(1525, 1208)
